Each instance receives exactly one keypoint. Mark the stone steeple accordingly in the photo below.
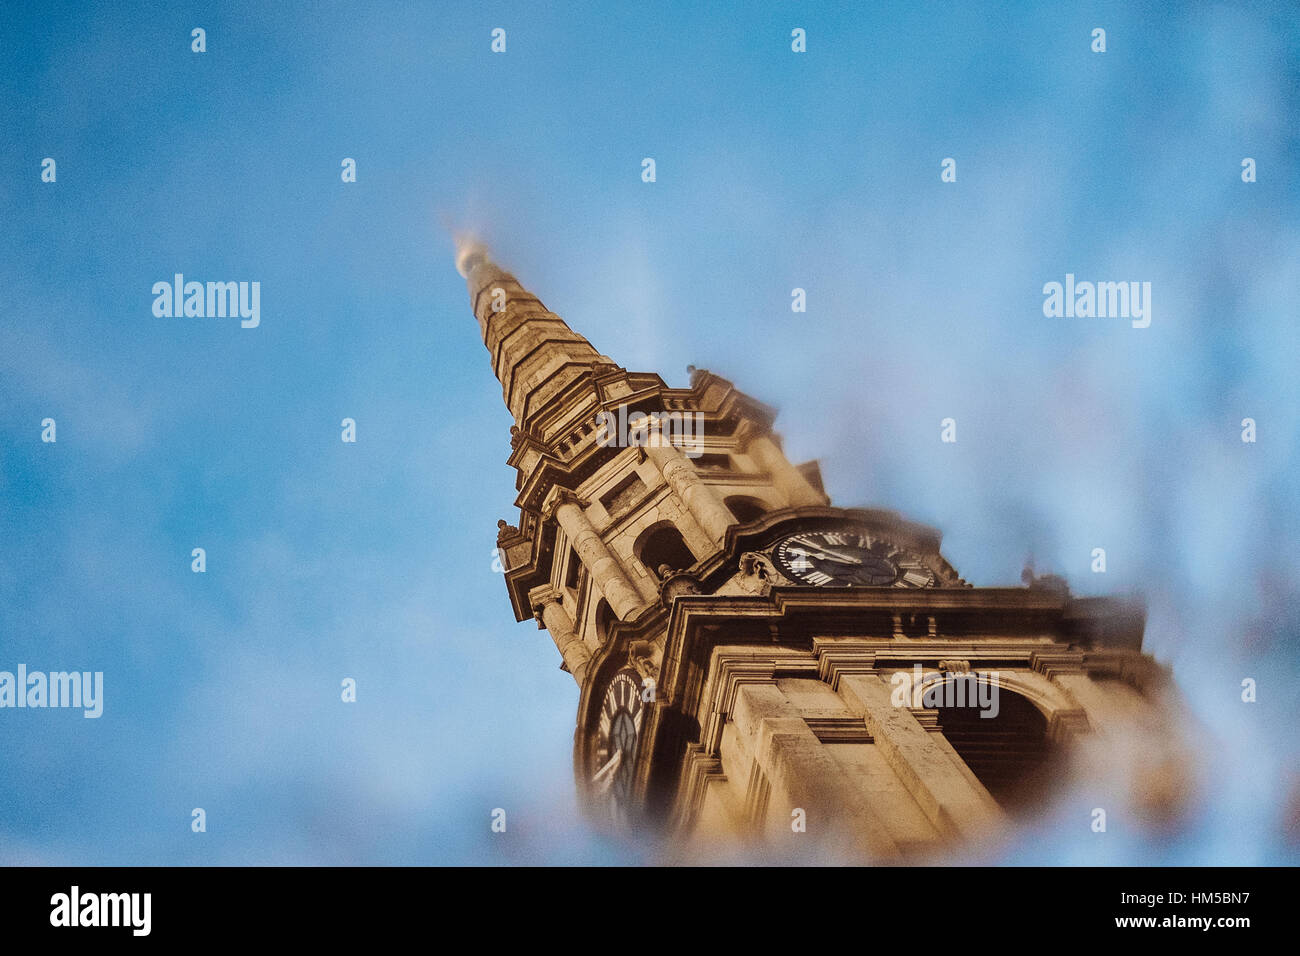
(594, 498)
(535, 355)
(738, 643)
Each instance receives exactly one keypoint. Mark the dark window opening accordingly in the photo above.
(745, 509)
(713, 462)
(573, 571)
(662, 545)
(605, 620)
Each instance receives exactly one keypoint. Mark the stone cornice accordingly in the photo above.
(834, 661)
(817, 609)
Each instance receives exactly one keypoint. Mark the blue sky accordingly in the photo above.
(775, 170)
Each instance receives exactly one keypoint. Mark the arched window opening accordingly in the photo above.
(1009, 753)
(662, 544)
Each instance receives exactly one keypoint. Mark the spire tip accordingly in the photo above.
(470, 252)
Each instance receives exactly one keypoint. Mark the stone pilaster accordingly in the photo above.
(956, 803)
(796, 765)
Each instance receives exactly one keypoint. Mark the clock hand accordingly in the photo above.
(605, 775)
(840, 555)
(828, 555)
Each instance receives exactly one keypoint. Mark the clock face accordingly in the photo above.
(617, 739)
(849, 559)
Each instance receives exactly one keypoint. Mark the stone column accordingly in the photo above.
(787, 478)
(710, 513)
(604, 568)
(552, 616)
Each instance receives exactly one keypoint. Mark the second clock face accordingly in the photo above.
(617, 739)
(848, 559)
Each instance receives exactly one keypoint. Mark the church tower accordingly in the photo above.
(755, 665)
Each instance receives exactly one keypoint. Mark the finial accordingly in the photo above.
(1027, 575)
(470, 253)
